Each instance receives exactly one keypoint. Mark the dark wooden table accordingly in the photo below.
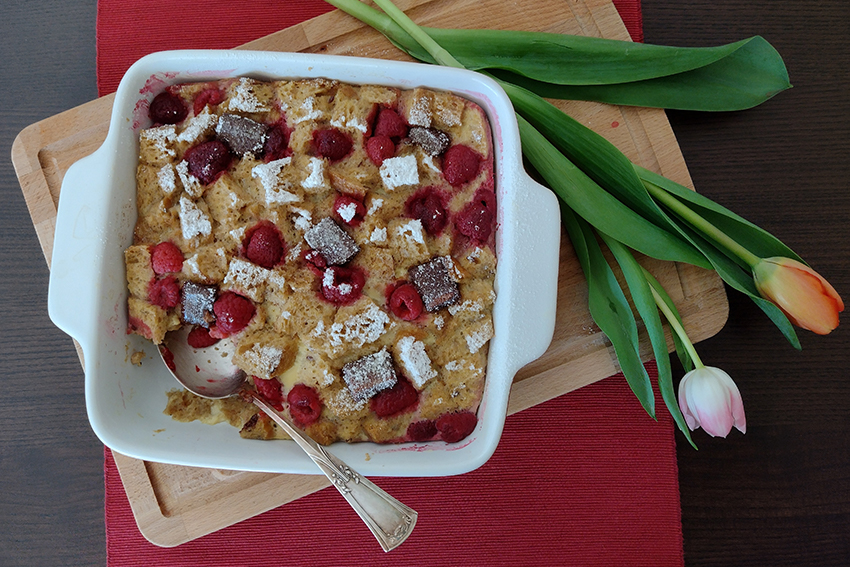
(779, 495)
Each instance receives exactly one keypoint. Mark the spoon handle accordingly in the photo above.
(389, 520)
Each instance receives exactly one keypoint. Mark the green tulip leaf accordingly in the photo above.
(729, 77)
(609, 308)
(746, 78)
(639, 288)
(597, 206)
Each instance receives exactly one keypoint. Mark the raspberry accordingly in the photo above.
(379, 148)
(136, 325)
(424, 430)
(270, 390)
(232, 312)
(456, 425)
(406, 303)
(342, 285)
(332, 143)
(390, 124)
(305, 407)
(199, 337)
(403, 396)
(167, 108)
(349, 210)
(460, 165)
(315, 261)
(211, 96)
(164, 293)
(264, 246)
(277, 143)
(475, 220)
(206, 161)
(428, 205)
(166, 258)
(168, 358)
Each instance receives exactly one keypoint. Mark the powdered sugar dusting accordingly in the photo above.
(479, 337)
(347, 212)
(191, 184)
(370, 374)
(316, 174)
(412, 231)
(308, 111)
(268, 175)
(167, 179)
(244, 98)
(161, 139)
(467, 306)
(420, 112)
(198, 126)
(360, 329)
(378, 235)
(399, 171)
(415, 361)
(193, 221)
(264, 358)
(247, 277)
(375, 205)
(303, 219)
(343, 404)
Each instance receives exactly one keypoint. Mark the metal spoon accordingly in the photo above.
(209, 373)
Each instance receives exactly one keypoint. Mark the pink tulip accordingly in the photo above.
(801, 293)
(710, 399)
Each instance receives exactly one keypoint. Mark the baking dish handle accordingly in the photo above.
(538, 238)
(76, 261)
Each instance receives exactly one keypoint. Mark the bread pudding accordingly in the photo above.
(343, 236)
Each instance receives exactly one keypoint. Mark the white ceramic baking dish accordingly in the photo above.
(87, 294)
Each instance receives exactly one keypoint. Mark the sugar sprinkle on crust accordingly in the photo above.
(415, 361)
(193, 222)
(244, 98)
(399, 172)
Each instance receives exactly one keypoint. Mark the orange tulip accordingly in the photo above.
(801, 293)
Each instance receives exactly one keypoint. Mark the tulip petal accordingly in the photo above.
(709, 398)
(806, 298)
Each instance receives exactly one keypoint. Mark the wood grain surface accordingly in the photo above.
(779, 495)
(174, 504)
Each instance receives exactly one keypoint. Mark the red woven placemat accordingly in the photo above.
(584, 479)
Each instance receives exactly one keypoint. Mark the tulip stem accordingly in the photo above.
(701, 224)
(676, 326)
(433, 48)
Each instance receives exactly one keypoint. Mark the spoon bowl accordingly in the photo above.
(207, 372)
(210, 373)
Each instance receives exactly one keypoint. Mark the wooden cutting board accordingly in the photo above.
(174, 504)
